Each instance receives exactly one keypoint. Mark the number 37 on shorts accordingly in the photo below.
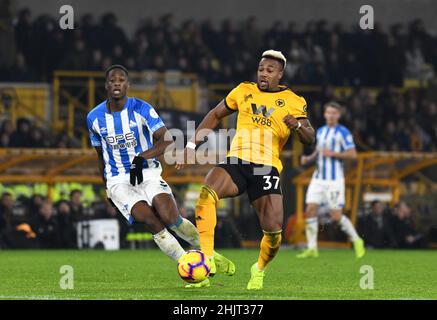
(271, 182)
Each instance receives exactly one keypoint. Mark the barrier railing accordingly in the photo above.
(76, 92)
(371, 169)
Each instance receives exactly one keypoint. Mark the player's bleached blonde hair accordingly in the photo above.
(275, 55)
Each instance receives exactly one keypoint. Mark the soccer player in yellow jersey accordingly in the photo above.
(268, 113)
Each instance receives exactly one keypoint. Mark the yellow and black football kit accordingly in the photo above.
(260, 136)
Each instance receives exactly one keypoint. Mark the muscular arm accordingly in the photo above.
(212, 119)
(160, 143)
(305, 133)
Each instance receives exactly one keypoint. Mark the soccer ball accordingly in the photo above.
(194, 266)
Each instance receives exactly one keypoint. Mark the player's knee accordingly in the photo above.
(272, 226)
(168, 214)
(138, 213)
(142, 213)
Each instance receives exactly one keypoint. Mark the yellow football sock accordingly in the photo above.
(206, 219)
(269, 246)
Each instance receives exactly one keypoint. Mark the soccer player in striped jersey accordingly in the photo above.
(334, 145)
(128, 136)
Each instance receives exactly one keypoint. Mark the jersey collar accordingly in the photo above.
(124, 107)
(281, 88)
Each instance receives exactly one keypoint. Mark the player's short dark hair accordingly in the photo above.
(116, 66)
(334, 105)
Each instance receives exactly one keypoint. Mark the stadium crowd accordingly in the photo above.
(389, 122)
(386, 227)
(27, 134)
(36, 222)
(319, 53)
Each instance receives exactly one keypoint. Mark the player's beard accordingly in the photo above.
(264, 85)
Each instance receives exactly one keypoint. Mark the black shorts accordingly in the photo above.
(257, 179)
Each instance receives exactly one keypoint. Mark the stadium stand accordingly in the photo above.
(229, 55)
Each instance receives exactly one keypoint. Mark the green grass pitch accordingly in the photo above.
(149, 274)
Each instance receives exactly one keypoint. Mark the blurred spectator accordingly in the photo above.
(226, 233)
(24, 33)
(7, 127)
(45, 227)
(376, 228)
(77, 58)
(21, 137)
(404, 229)
(6, 205)
(37, 138)
(20, 72)
(76, 207)
(35, 203)
(67, 234)
(416, 66)
(4, 140)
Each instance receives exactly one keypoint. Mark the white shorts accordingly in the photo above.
(330, 193)
(125, 195)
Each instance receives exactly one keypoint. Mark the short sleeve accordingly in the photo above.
(231, 100)
(94, 136)
(347, 139)
(300, 109)
(151, 117)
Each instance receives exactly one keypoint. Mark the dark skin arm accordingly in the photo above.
(160, 144)
(211, 121)
(306, 132)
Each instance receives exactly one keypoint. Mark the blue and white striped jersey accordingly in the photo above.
(123, 135)
(337, 139)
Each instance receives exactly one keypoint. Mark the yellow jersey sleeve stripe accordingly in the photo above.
(228, 107)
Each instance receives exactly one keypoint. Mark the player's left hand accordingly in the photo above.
(136, 170)
(291, 122)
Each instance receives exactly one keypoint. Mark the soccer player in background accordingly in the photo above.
(334, 145)
(128, 136)
(268, 113)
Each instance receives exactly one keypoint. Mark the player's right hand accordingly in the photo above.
(136, 170)
(187, 157)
